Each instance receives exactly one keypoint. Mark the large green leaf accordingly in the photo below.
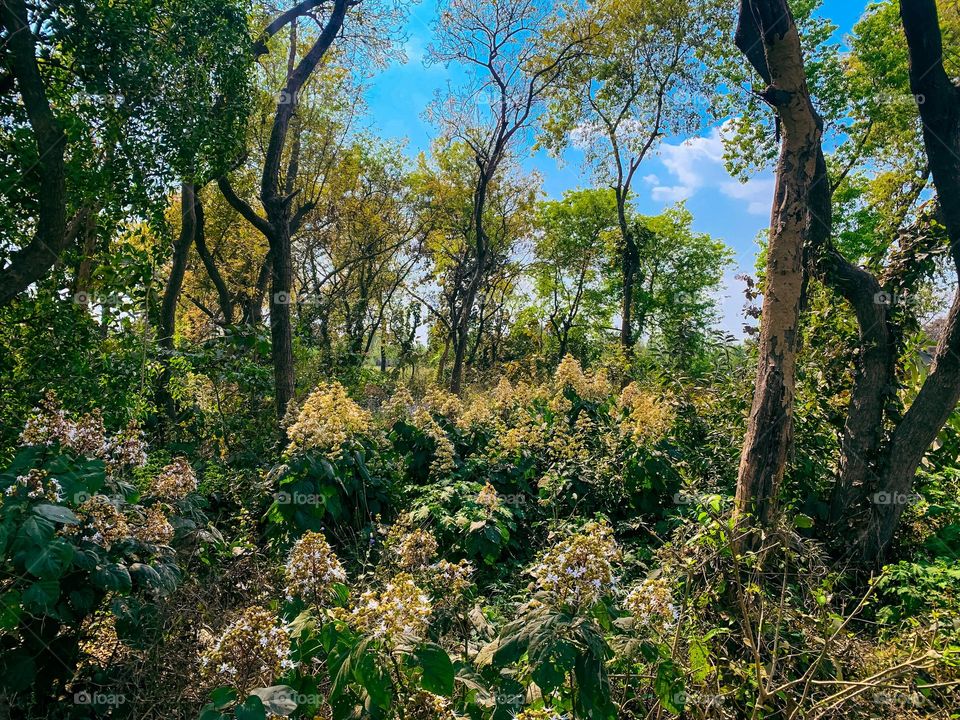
(437, 675)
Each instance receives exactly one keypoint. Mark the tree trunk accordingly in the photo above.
(873, 385)
(167, 322)
(768, 37)
(281, 329)
(31, 262)
(200, 240)
(628, 268)
(938, 101)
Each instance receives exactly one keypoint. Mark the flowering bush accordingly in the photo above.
(578, 571)
(400, 610)
(651, 604)
(312, 568)
(175, 481)
(78, 554)
(328, 420)
(250, 653)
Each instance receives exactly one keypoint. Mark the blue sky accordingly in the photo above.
(685, 167)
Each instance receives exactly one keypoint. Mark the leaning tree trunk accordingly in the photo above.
(768, 37)
(938, 101)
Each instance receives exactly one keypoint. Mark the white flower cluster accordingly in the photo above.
(36, 485)
(328, 419)
(312, 568)
(578, 571)
(401, 609)
(49, 424)
(175, 481)
(651, 604)
(252, 652)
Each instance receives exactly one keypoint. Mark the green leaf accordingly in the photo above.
(252, 709)
(10, 610)
(51, 561)
(669, 687)
(112, 577)
(57, 513)
(437, 669)
(223, 696)
(17, 670)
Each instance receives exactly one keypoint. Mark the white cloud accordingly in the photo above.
(757, 192)
(696, 164)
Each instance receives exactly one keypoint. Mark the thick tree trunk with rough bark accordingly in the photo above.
(938, 101)
(767, 35)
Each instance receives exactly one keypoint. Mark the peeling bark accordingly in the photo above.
(768, 25)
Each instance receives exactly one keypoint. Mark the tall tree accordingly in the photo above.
(768, 37)
(278, 189)
(116, 102)
(641, 78)
(570, 251)
(938, 101)
(511, 59)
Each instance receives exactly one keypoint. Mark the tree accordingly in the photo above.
(681, 269)
(511, 60)
(355, 259)
(570, 252)
(938, 102)
(638, 81)
(107, 113)
(768, 37)
(447, 186)
(280, 171)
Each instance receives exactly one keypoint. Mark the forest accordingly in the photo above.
(479, 359)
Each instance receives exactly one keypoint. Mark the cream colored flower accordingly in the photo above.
(578, 571)
(409, 548)
(401, 609)
(312, 568)
(101, 522)
(328, 419)
(175, 481)
(645, 418)
(489, 498)
(427, 706)
(651, 604)
(569, 374)
(251, 652)
(156, 528)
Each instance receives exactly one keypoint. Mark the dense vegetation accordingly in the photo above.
(297, 423)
